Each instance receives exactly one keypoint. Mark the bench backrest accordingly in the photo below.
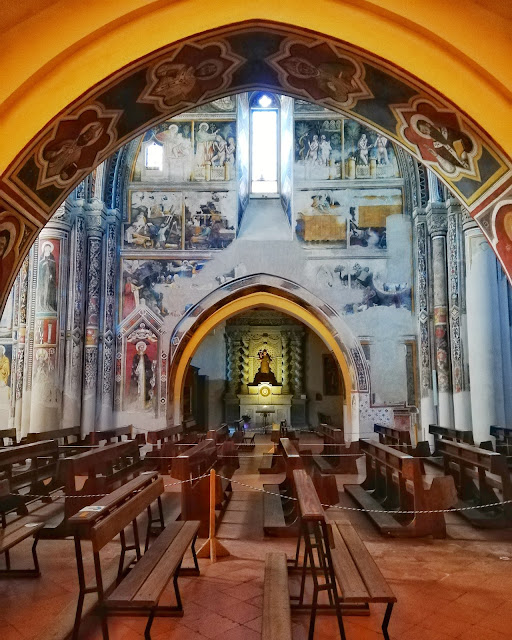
(106, 529)
(43, 458)
(219, 434)
(8, 434)
(61, 435)
(110, 435)
(196, 461)
(471, 456)
(331, 434)
(457, 435)
(99, 461)
(404, 464)
(390, 435)
(162, 435)
(502, 434)
(307, 497)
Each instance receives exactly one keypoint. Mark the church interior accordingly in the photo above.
(256, 325)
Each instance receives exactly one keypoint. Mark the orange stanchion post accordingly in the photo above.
(212, 548)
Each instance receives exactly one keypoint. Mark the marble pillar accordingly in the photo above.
(21, 329)
(422, 287)
(437, 221)
(457, 318)
(484, 339)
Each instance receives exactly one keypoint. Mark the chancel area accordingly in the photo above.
(256, 368)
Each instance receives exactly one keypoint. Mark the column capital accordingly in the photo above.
(437, 219)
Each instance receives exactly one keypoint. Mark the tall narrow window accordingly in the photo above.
(154, 156)
(264, 144)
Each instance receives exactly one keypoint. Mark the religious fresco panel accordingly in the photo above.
(368, 153)
(318, 149)
(151, 282)
(345, 217)
(141, 373)
(214, 150)
(210, 219)
(155, 220)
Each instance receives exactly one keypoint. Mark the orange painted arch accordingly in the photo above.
(239, 305)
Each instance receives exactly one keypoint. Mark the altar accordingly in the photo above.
(264, 399)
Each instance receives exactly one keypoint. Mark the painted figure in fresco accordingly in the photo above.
(5, 367)
(175, 81)
(312, 154)
(230, 151)
(219, 151)
(325, 150)
(381, 144)
(204, 144)
(47, 279)
(63, 157)
(131, 295)
(363, 149)
(142, 375)
(449, 147)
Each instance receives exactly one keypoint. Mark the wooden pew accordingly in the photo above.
(195, 493)
(166, 445)
(138, 592)
(8, 437)
(279, 512)
(394, 481)
(110, 436)
(481, 477)
(401, 440)
(344, 561)
(276, 622)
(272, 461)
(503, 437)
(340, 458)
(220, 434)
(104, 469)
(30, 469)
(70, 440)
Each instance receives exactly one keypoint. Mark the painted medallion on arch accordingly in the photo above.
(153, 282)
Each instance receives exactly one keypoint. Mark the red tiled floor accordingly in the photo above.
(453, 589)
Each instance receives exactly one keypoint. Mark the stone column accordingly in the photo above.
(21, 329)
(72, 400)
(285, 364)
(94, 222)
(457, 315)
(437, 222)
(484, 343)
(50, 315)
(245, 363)
(231, 365)
(296, 348)
(108, 333)
(427, 408)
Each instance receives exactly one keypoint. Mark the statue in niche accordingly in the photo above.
(264, 374)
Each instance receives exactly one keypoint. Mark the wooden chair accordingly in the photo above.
(394, 481)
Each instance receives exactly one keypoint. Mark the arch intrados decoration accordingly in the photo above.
(241, 57)
(262, 291)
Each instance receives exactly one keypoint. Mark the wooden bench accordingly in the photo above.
(276, 622)
(193, 466)
(140, 591)
(343, 566)
(118, 434)
(272, 461)
(104, 468)
(503, 445)
(219, 434)
(394, 481)
(70, 440)
(481, 477)
(279, 511)
(30, 470)
(166, 445)
(401, 440)
(8, 437)
(455, 435)
(337, 457)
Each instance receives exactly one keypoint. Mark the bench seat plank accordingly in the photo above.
(384, 521)
(18, 531)
(129, 587)
(150, 592)
(351, 584)
(376, 585)
(273, 509)
(276, 624)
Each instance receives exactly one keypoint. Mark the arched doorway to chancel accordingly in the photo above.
(263, 291)
(297, 63)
